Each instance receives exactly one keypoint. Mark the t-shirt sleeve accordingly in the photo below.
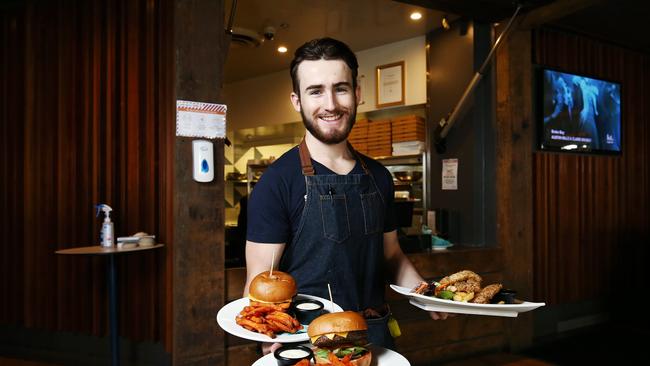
(268, 221)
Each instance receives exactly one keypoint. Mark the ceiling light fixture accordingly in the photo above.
(416, 15)
(282, 49)
(445, 22)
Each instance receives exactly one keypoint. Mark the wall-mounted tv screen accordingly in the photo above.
(578, 113)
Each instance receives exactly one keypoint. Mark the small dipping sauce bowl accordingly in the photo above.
(288, 355)
(307, 310)
(505, 295)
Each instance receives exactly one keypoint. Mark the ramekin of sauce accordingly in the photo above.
(505, 296)
(288, 355)
(307, 310)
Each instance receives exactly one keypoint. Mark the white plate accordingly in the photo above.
(226, 320)
(380, 357)
(430, 303)
(442, 247)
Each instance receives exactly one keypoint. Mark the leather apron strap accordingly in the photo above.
(305, 159)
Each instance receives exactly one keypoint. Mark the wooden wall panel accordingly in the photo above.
(592, 212)
(86, 90)
(514, 135)
(11, 170)
(201, 47)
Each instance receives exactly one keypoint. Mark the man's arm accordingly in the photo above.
(258, 259)
(403, 272)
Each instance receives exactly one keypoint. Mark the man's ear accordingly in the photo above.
(295, 101)
(357, 93)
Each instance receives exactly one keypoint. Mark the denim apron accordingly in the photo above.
(339, 241)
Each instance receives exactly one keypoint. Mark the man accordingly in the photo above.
(589, 111)
(323, 211)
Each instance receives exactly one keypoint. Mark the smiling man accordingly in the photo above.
(324, 211)
(328, 103)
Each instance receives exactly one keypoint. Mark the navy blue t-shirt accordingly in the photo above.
(277, 200)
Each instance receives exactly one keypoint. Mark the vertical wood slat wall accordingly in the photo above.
(85, 91)
(513, 174)
(592, 213)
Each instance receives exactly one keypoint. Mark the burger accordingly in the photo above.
(340, 337)
(277, 288)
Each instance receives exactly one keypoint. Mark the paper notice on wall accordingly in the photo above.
(450, 174)
(198, 119)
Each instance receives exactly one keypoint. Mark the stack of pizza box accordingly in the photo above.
(408, 135)
(359, 136)
(379, 138)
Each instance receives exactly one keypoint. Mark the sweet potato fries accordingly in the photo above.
(267, 319)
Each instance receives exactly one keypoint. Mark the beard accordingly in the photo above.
(329, 137)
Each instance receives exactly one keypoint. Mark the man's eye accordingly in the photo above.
(314, 92)
(342, 90)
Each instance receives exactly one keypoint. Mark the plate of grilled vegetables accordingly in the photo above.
(464, 292)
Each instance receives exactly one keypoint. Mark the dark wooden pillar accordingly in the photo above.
(198, 277)
(514, 178)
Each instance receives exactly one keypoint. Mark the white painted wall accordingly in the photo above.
(412, 52)
(260, 101)
(265, 100)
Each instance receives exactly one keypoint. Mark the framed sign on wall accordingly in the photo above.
(390, 85)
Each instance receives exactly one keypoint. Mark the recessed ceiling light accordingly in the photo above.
(282, 49)
(416, 15)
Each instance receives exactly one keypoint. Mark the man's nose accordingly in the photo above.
(331, 102)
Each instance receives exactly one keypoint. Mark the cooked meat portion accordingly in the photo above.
(487, 293)
(469, 285)
(356, 338)
(460, 276)
(422, 288)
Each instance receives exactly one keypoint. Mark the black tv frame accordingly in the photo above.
(538, 113)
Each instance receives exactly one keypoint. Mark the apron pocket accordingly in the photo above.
(373, 212)
(378, 333)
(334, 213)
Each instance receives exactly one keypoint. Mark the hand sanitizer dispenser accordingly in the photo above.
(202, 161)
(106, 234)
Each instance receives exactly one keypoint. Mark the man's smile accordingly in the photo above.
(330, 118)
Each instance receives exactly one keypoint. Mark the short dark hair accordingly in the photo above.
(323, 48)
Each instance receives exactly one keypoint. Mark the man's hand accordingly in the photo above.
(440, 316)
(270, 347)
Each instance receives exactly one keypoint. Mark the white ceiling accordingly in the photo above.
(362, 24)
(365, 24)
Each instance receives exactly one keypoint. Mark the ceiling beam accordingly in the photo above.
(554, 11)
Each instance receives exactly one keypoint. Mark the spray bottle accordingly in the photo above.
(106, 234)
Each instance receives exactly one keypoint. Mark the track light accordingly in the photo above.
(445, 22)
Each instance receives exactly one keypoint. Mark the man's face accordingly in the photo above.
(327, 101)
